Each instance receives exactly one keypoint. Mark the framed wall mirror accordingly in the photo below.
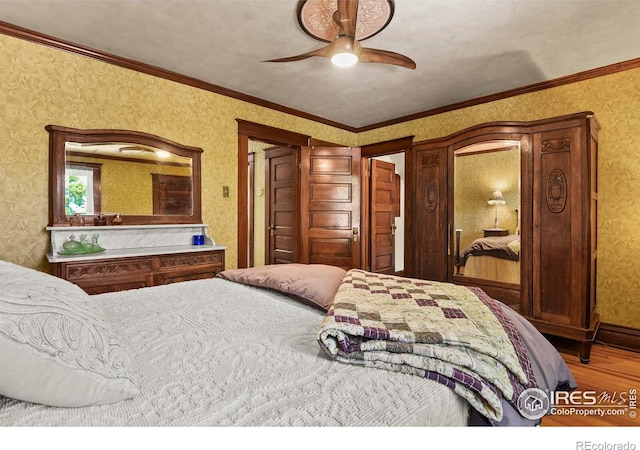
(142, 178)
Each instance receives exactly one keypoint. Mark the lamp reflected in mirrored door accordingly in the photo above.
(496, 200)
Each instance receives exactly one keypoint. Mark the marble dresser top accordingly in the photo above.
(122, 241)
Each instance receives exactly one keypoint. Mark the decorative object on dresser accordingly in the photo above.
(100, 220)
(73, 247)
(554, 194)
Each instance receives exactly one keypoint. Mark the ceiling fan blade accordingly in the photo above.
(324, 51)
(372, 55)
(346, 16)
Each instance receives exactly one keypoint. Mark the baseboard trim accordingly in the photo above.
(619, 336)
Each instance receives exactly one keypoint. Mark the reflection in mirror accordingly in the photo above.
(82, 188)
(146, 179)
(486, 211)
(101, 178)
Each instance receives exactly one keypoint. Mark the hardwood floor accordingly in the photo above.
(611, 371)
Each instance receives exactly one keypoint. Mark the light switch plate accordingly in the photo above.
(225, 191)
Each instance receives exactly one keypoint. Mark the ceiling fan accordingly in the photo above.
(345, 50)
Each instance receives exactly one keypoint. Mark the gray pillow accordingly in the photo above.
(56, 347)
(311, 284)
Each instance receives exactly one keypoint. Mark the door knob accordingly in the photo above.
(355, 235)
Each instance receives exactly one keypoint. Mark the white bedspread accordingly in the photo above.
(216, 353)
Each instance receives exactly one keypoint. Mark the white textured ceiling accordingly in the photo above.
(463, 49)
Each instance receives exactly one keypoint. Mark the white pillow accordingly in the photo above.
(56, 347)
(514, 246)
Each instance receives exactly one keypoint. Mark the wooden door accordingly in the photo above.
(282, 205)
(383, 201)
(564, 231)
(559, 267)
(171, 194)
(430, 230)
(330, 206)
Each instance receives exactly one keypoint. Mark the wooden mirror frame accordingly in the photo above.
(511, 294)
(59, 136)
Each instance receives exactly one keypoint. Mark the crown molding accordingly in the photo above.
(569, 79)
(39, 38)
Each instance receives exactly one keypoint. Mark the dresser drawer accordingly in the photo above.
(189, 266)
(181, 260)
(99, 276)
(79, 271)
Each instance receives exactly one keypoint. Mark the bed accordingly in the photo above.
(492, 258)
(243, 349)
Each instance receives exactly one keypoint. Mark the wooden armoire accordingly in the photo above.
(557, 219)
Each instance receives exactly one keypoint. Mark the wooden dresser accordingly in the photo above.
(136, 257)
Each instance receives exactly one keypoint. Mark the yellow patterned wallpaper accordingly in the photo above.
(41, 85)
(615, 100)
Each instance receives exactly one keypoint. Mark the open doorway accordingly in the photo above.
(386, 213)
(251, 226)
(386, 205)
(256, 204)
(273, 204)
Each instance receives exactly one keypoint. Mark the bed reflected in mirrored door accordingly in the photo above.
(486, 201)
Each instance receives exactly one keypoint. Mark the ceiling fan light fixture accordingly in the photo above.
(344, 59)
(345, 51)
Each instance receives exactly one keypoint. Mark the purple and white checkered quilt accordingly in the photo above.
(455, 335)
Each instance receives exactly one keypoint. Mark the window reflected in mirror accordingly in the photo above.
(487, 186)
(82, 188)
